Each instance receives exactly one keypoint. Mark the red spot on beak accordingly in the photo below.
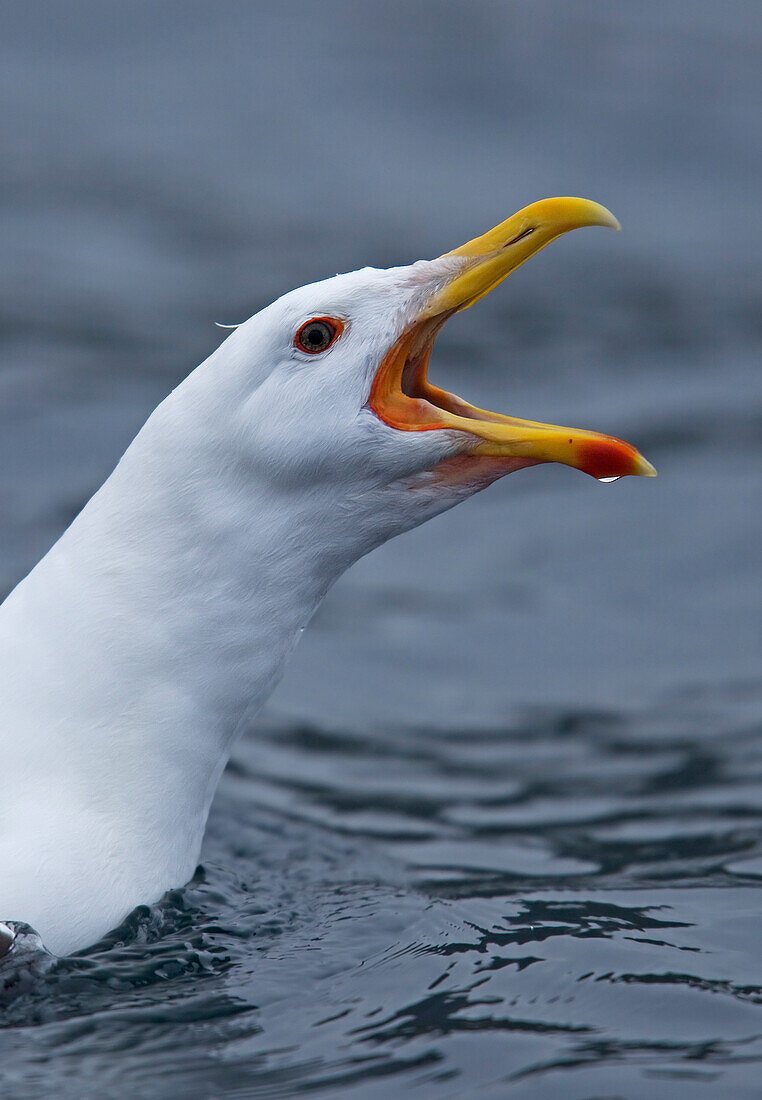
(608, 457)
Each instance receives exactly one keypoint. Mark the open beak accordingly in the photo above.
(403, 397)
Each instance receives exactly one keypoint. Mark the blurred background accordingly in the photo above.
(166, 166)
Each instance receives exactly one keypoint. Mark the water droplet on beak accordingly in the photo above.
(608, 480)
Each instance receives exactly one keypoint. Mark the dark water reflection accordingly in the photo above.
(459, 910)
(499, 831)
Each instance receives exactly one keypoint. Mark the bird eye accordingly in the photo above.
(318, 334)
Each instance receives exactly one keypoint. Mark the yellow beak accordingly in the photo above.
(403, 397)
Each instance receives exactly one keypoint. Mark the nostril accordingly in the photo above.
(524, 233)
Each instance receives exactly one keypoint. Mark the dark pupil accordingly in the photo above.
(317, 336)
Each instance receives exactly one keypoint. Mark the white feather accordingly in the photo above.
(148, 637)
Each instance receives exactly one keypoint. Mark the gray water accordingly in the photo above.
(498, 832)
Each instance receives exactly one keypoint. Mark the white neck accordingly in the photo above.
(133, 655)
(146, 640)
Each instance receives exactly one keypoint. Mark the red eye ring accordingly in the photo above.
(318, 334)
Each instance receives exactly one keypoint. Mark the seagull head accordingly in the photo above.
(329, 388)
